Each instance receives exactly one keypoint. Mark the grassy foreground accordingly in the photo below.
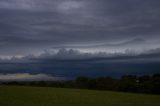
(39, 96)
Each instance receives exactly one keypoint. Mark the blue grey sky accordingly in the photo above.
(96, 32)
(32, 26)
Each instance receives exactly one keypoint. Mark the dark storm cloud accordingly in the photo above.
(71, 55)
(42, 24)
(102, 57)
(72, 63)
(100, 36)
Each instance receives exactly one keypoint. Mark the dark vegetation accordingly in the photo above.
(129, 83)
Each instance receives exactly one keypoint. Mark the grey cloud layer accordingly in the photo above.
(71, 55)
(30, 26)
(71, 63)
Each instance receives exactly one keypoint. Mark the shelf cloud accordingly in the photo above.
(30, 26)
(54, 36)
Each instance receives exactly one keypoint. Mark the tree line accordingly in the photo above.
(127, 83)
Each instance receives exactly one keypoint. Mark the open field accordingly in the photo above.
(39, 96)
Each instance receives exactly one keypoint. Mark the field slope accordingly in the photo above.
(38, 96)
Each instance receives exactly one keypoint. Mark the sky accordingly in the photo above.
(71, 38)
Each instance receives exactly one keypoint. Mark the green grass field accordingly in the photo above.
(39, 96)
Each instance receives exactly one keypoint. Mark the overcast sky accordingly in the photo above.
(90, 28)
(32, 26)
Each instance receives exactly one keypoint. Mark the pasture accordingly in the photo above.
(43, 96)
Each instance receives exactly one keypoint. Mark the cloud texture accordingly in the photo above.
(30, 26)
(79, 37)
